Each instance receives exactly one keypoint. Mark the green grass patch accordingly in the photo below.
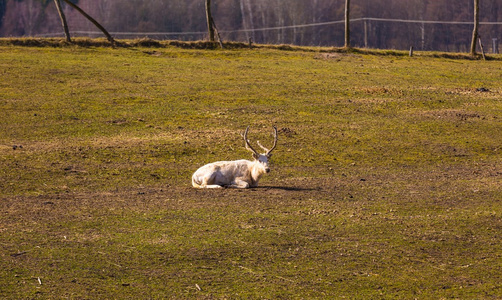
(385, 182)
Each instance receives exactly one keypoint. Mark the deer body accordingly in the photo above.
(238, 173)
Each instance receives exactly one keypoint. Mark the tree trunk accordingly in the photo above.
(63, 21)
(210, 22)
(476, 25)
(217, 34)
(250, 18)
(108, 36)
(347, 24)
(244, 23)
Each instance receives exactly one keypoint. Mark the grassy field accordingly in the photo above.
(385, 184)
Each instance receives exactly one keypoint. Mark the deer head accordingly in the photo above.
(263, 157)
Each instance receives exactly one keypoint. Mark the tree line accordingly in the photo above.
(299, 22)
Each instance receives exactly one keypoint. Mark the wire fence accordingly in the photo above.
(234, 34)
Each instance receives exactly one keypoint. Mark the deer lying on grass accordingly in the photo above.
(238, 173)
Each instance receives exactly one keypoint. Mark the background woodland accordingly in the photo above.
(274, 21)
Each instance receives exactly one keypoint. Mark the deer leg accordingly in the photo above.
(213, 186)
(209, 179)
(239, 184)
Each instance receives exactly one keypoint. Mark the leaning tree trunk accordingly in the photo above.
(347, 24)
(476, 25)
(210, 22)
(63, 21)
(108, 36)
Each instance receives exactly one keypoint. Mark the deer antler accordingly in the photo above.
(248, 146)
(268, 151)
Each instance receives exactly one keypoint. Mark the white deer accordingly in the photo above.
(238, 173)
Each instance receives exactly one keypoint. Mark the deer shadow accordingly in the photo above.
(285, 188)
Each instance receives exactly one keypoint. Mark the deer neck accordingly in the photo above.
(257, 171)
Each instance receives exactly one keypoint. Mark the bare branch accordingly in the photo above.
(108, 36)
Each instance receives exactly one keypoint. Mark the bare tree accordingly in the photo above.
(63, 20)
(247, 18)
(211, 26)
(476, 25)
(108, 36)
(210, 22)
(347, 24)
